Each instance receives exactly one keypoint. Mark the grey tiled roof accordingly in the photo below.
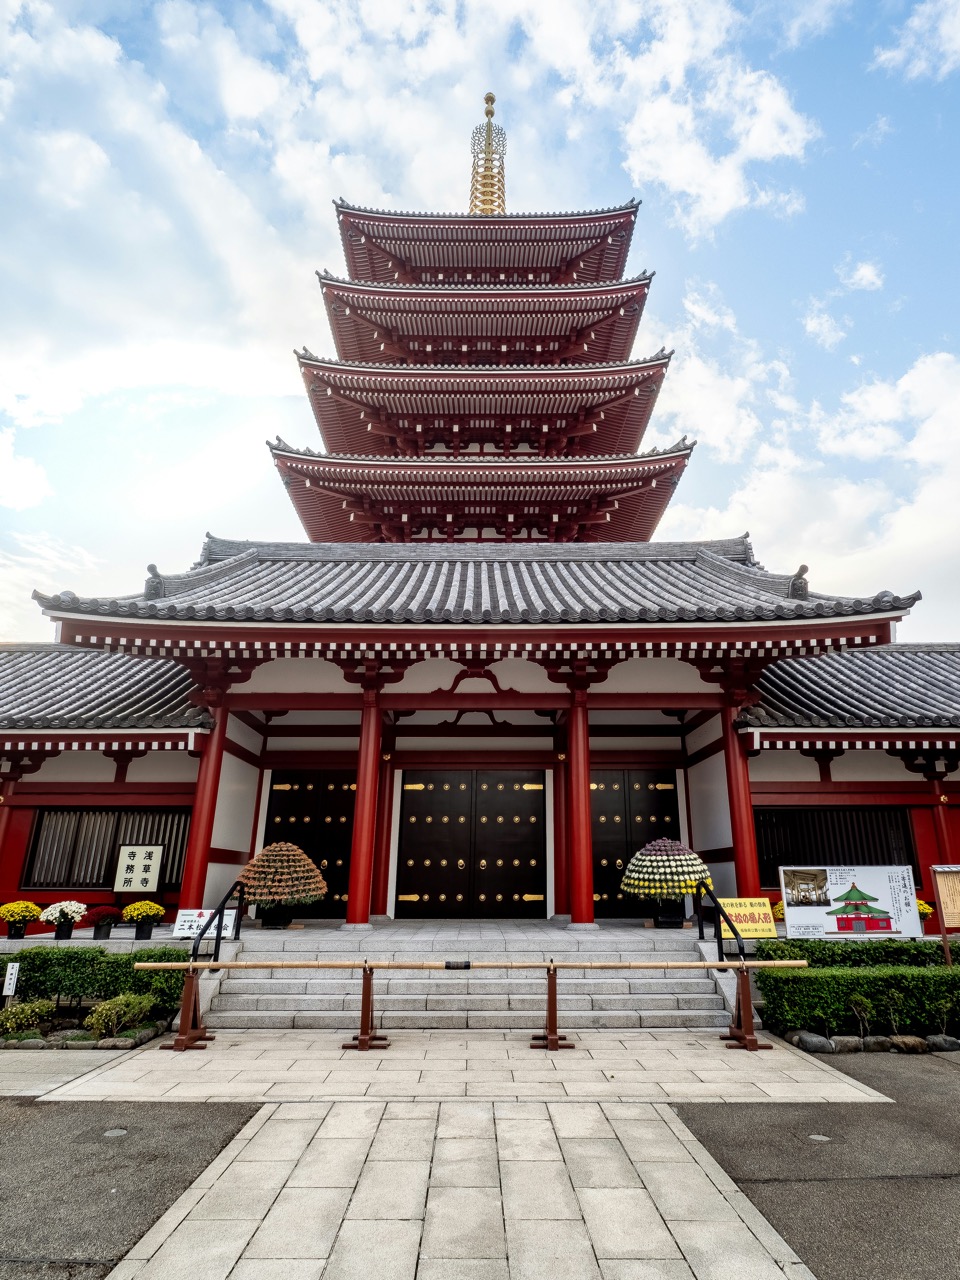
(464, 583)
(55, 686)
(892, 686)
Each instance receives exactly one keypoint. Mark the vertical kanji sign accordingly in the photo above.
(138, 868)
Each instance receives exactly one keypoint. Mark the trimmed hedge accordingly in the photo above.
(78, 974)
(850, 955)
(891, 999)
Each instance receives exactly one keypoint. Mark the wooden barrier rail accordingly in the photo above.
(192, 1034)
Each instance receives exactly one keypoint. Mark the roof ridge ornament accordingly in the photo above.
(488, 142)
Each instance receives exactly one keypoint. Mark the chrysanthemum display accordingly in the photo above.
(66, 912)
(664, 869)
(282, 875)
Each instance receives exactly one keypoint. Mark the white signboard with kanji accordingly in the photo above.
(189, 924)
(856, 903)
(138, 870)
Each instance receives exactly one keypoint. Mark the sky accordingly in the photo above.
(167, 171)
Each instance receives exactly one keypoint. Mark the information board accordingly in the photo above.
(947, 888)
(10, 978)
(189, 923)
(138, 868)
(752, 917)
(850, 902)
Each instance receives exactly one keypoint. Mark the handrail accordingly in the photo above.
(237, 891)
(701, 889)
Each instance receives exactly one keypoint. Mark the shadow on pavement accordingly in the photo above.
(73, 1200)
(882, 1196)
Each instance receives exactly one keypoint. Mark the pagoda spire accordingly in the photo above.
(488, 143)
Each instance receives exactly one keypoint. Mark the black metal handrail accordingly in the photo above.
(237, 891)
(704, 889)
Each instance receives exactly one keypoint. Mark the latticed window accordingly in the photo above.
(79, 848)
(876, 836)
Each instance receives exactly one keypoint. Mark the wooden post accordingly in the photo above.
(367, 1037)
(742, 1034)
(743, 833)
(580, 832)
(204, 809)
(550, 1038)
(191, 1029)
(365, 811)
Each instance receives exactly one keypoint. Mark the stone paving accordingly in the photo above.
(627, 1066)
(33, 1072)
(463, 1190)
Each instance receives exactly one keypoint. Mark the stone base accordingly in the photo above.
(356, 928)
(582, 928)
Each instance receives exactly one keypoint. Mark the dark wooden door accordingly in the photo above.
(472, 843)
(315, 811)
(629, 808)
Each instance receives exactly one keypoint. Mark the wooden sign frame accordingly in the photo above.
(951, 869)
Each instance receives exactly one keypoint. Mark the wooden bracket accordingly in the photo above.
(741, 1033)
(191, 1030)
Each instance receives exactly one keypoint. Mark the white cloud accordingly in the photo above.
(820, 325)
(874, 133)
(928, 44)
(40, 561)
(807, 19)
(23, 482)
(860, 275)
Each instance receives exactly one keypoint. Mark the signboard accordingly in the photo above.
(752, 917)
(10, 979)
(189, 923)
(947, 888)
(138, 870)
(850, 902)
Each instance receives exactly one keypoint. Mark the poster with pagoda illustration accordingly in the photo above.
(850, 902)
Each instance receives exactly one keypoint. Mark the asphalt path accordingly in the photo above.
(80, 1182)
(882, 1196)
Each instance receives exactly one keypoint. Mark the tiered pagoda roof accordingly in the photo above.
(480, 495)
(383, 246)
(388, 409)
(483, 387)
(484, 323)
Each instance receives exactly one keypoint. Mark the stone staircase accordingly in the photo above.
(485, 999)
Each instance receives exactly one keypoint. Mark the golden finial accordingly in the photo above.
(488, 194)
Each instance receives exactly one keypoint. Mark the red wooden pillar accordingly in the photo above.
(381, 860)
(580, 832)
(6, 794)
(365, 812)
(742, 829)
(204, 808)
(941, 822)
(561, 851)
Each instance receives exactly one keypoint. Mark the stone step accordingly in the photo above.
(263, 986)
(496, 974)
(466, 1003)
(497, 1021)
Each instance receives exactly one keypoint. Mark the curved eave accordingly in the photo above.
(383, 246)
(366, 410)
(375, 323)
(359, 499)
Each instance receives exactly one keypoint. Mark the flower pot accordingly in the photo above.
(102, 930)
(143, 930)
(668, 913)
(275, 917)
(63, 930)
(15, 930)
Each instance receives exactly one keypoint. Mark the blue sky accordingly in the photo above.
(168, 169)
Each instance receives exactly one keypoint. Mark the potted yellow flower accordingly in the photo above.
(144, 915)
(17, 916)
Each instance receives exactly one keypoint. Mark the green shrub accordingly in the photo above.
(110, 1017)
(76, 974)
(25, 1016)
(896, 999)
(848, 955)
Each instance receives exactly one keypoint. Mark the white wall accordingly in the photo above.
(654, 675)
(298, 675)
(704, 734)
(783, 766)
(870, 766)
(709, 807)
(220, 876)
(243, 735)
(76, 766)
(236, 805)
(163, 766)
